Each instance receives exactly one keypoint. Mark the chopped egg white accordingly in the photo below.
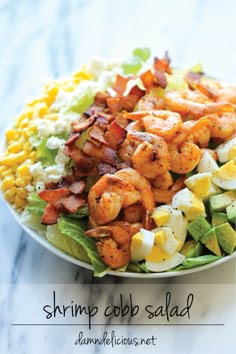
(200, 184)
(225, 176)
(224, 150)
(165, 264)
(207, 163)
(54, 143)
(165, 239)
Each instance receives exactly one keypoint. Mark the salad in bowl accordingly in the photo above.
(128, 165)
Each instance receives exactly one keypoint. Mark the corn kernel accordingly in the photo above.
(23, 170)
(24, 123)
(51, 91)
(27, 146)
(7, 183)
(22, 193)
(14, 147)
(42, 109)
(8, 173)
(32, 129)
(12, 134)
(10, 193)
(52, 116)
(33, 155)
(20, 203)
(3, 168)
(23, 181)
(21, 117)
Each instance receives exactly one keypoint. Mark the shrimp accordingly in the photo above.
(184, 158)
(113, 245)
(222, 126)
(165, 196)
(164, 181)
(190, 102)
(142, 185)
(222, 92)
(127, 149)
(149, 102)
(199, 131)
(151, 158)
(108, 196)
(133, 213)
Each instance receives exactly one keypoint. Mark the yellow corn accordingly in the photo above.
(10, 193)
(12, 134)
(27, 146)
(21, 117)
(20, 203)
(51, 91)
(31, 129)
(7, 183)
(24, 123)
(22, 193)
(33, 155)
(52, 116)
(42, 109)
(8, 173)
(15, 147)
(23, 181)
(12, 159)
(22, 171)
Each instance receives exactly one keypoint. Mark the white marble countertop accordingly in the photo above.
(41, 39)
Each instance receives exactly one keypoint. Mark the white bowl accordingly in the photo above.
(73, 260)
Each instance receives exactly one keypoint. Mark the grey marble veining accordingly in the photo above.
(41, 39)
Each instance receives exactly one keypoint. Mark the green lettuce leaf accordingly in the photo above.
(33, 221)
(73, 230)
(36, 204)
(189, 263)
(45, 155)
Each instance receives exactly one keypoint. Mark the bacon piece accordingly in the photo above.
(50, 215)
(136, 91)
(83, 125)
(72, 203)
(97, 135)
(162, 64)
(117, 131)
(122, 165)
(100, 98)
(148, 79)
(191, 78)
(54, 196)
(160, 78)
(72, 138)
(120, 84)
(103, 153)
(51, 185)
(66, 151)
(77, 187)
(104, 168)
(101, 122)
(116, 104)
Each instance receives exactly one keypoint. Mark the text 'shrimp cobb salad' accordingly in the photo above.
(128, 165)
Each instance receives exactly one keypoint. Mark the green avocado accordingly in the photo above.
(219, 202)
(210, 242)
(192, 249)
(218, 219)
(231, 212)
(226, 237)
(198, 227)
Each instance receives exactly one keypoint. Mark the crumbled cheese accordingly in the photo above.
(54, 143)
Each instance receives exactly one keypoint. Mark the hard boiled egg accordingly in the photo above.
(225, 176)
(201, 185)
(189, 203)
(165, 239)
(207, 163)
(225, 150)
(164, 263)
(141, 244)
(167, 216)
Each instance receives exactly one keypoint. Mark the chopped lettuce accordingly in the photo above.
(66, 244)
(73, 230)
(33, 221)
(142, 53)
(196, 68)
(81, 213)
(82, 97)
(36, 204)
(91, 180)
(45, 155)
(133, 64)
(189, 263)
(83, 138)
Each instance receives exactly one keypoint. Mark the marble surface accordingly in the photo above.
(41, 39)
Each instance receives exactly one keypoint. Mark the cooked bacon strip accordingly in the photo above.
(72, 203)
(122, 165)
(97, 135)
(162, 64)
(103, 153)
(160, 78)
(137, 91)
(116, 104)
(77, 187)
(101, 122)
(50, 215)
(83, 125)
(104, 168)
(117, 131)
(100, 98)
(120, 84)
(191, 78)
(148, 79)
(54, 196)
(72, 139)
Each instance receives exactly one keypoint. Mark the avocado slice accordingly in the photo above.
(231, 212)
(226, 236)
(218, 219)
(210, 242)
(219, 202)
(198, 227)
(192, 249)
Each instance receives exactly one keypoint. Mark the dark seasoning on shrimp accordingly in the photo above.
(138, 143)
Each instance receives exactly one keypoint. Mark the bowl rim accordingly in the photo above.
(50, 247)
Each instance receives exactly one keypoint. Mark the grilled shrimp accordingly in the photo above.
(165, 124)
(164, 181)
(113, 245)
(222, 127)
(184, 158)
(165, 196)
(108, 196)
(199, 131)
(151, 158)
(191, 102)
